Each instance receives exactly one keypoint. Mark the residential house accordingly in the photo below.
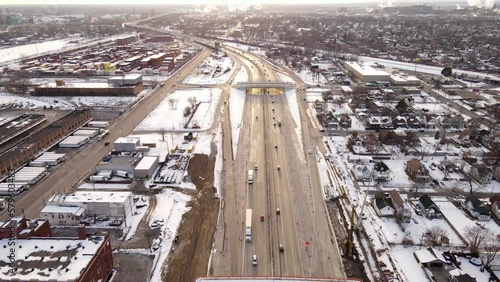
(381, 172)
(379, 122)
(417, 172)
(362, 172)
(429, 208)
(345, 121)
(330, 121)
(477, 208)
(453, 121)
(481, 173)
(496, 172)
(392, 137)
(383, 205)
(482, 136)
(429, 257)
(402, 209)
(414, 122)
(399, 121)
(318, 106)
(458, 275)
(431, 122)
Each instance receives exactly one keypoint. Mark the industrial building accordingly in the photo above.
(129, 85)
(366, 73)
(10, 128)
(24, 228)
(43, 139)
(57, 215)
(404, 80)
(146, 167)
(119, 162)
(112, 204)
(127, 144)
(82, 259)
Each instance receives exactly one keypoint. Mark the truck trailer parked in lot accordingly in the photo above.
(248, 226)
(250, 176)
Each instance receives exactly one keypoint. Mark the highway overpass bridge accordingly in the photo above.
(265, 85)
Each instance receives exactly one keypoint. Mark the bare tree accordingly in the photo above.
(172, 103)
(187, 111)
(491, 248)
(434, 235)
(192, 101)
(17, 83)
(475, 235)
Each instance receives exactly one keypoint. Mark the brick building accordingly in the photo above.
(24, 228)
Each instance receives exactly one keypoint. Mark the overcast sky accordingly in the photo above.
(96, 2)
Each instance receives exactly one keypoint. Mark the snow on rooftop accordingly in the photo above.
(94, 196)
(60, 209)
(127, 139)
(365, 69)
(146, 163)
(49, 259)
(77, 85)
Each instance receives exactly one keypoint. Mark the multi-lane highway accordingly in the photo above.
(285, 179)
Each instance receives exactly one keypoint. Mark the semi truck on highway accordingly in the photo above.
(250, 176)
(248, 226)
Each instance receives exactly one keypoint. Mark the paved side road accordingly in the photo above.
(65, 178)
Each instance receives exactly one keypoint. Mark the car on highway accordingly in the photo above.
(255, 167)
(282, 248)
(161, 84)
(254, 260)
(261, 217)
(279, 167)
(278, 211)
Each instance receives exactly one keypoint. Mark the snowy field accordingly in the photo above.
(236, 105)
(170, 208)
(458, 219)
(408, 265)
(167, 116)
(68, 102)
(420, 68)
(206, 72)
(252, 49)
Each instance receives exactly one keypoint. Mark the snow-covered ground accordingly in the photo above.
(167, 116)
(21, 51)
(236, 104)
(136, 217)
(310, 78)
(420, 68)
(219, 162)
(67, 102)
(408, 265)
(206, 71)
(170, 208)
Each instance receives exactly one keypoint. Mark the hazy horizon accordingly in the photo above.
(216, 2)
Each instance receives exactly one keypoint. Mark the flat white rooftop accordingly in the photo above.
(365, 69)
(146, 163)
(77, 85)
(59, 209)
(127, 140)
(91, 197)
(48, 259)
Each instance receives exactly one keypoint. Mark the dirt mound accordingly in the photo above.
(196, 232)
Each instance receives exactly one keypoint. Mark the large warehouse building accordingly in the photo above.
(43, 139)
(112, 204)
(366, 73)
